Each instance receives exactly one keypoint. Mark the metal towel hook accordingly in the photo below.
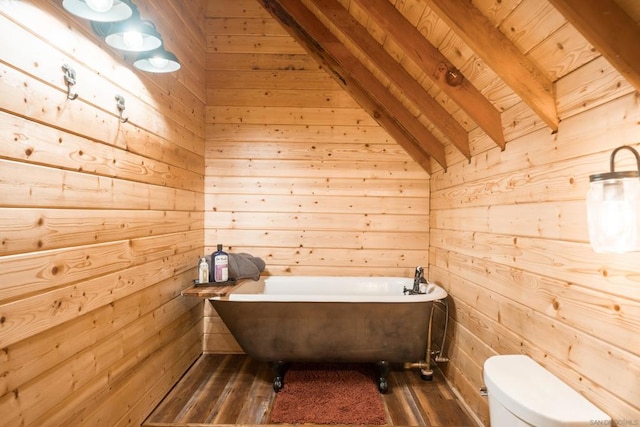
(121, 107)
(69, 80)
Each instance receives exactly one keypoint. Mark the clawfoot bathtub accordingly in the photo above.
(281, 319)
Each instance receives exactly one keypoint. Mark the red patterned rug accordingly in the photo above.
(329, 394)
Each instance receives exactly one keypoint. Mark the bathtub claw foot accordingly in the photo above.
(278, 368)
(383, 372)
(278, 384)
(383, 385)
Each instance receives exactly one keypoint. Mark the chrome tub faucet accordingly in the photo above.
(418, 278)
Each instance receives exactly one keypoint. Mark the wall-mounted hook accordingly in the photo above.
(121, 107)
(69, 80)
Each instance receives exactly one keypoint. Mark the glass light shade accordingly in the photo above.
(158, 61)
(613, 209)
(99, 10)
(133, 35)
(613, 214)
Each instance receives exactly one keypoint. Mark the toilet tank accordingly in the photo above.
(523, 393)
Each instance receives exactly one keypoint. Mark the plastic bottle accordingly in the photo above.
(203, 271)
(220, 262)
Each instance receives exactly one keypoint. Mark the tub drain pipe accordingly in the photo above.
(426, 372)
(425, 369)
(439, 357)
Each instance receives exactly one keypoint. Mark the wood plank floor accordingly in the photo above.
(224, 390)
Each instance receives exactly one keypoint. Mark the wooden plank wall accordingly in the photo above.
(296, 172)
(509, 242)
(101, 223)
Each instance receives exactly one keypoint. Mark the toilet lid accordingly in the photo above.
(535, 395)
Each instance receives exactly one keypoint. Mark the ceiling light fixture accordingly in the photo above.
(99, 10)
(613, 208)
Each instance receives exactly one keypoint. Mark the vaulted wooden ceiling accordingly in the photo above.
(434, 73)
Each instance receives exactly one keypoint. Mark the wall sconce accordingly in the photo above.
(613, 208)
(133, 35)
(119, 23)
(99, 10)
(157, 61)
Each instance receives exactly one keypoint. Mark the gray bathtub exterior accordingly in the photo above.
(329, 331)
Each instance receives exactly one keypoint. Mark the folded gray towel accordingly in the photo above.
(243, 266)
(259, 262)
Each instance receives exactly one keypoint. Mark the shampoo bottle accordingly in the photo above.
(220, 262)
(203, 271)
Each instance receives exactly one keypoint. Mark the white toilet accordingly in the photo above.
(523, 393)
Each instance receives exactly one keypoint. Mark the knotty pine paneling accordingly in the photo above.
(296, 172)
(101, 222)
(295, 175)
(508, 240)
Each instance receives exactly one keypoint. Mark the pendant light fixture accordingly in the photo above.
(157, 61)
(613, 208)
(99, 10)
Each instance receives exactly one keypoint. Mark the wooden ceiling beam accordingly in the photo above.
(353, 76)
(499, 53)
(414, 91)
(610, 30)
(436, 66)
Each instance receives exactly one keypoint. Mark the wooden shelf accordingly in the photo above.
(210, 291)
